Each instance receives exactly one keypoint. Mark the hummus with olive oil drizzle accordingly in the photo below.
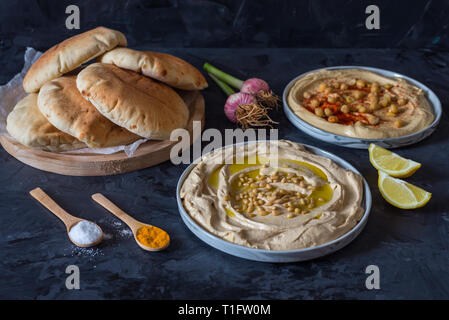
(360, 104)
(304, 201)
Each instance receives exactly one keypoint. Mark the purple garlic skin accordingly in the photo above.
(254, 85)
(234, 101)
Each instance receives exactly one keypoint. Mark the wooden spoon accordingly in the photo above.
(132, 223)
(67, 218)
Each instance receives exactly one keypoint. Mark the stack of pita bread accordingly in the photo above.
(124, 96)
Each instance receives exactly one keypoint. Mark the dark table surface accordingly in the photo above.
(411, 248)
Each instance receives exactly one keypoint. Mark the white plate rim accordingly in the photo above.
(436, 106)
(367, 200)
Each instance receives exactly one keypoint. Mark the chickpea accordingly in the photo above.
(362, 109)
(398, 123)
(349, 99)
(352, 82)
(344, 86)
(328, 90)
(375, 87)
(328, 112)
(360, 84)
(314, 103)
(319, 112)
(344, 108)
(373, 106)
(393, 108)
(331, 99)
(322, 87)
(372, 119)
(402, 101)
(384, 103)
(373, 97)
(332, 119)
(306, 95)
(388, 86)
(387, 97)
(358, 94)
(391, 114)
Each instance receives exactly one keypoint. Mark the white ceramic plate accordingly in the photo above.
(278, 255)
(358, 143)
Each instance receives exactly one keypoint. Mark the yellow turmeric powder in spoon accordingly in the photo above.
(152, 237)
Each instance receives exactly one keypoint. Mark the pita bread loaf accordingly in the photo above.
(70, 54)
(143, 106)
(160, 66)
(62, 104)
(28, 126)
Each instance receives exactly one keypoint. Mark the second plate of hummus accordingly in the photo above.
(354, 106)
(273, 201)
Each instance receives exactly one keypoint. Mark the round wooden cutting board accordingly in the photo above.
(148, 154)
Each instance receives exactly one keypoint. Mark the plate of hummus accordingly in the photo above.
(273, 201)
(355, 106)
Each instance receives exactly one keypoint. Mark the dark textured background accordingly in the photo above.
(233, 23)
(411, 248)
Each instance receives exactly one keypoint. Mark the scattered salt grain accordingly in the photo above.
(85, 232)
(117, 223)
(92, 252)
(107, 236)
(126, 233)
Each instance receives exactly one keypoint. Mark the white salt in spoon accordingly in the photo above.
(69, 220)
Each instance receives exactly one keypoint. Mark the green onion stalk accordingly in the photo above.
(254, 86)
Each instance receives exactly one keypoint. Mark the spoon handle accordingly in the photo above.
(51, 205)
(119, 213)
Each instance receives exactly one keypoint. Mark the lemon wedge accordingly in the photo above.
(391, 163)
(402, 194)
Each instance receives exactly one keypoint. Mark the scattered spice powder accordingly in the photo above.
(153, 237)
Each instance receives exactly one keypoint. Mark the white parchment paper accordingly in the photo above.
(12, 92)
